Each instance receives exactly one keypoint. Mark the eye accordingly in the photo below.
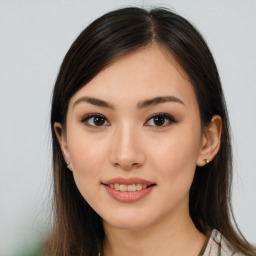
(95, 120)
(160, 120)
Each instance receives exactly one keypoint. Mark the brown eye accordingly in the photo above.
(160, 120)
(95, 120)
(99, 121)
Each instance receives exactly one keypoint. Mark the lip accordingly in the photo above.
(128, 181)
(128, 196)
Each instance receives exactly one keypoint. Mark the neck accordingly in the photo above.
(177, 237)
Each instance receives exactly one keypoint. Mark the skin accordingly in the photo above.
(130, 144)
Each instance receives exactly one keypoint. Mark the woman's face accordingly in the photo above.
(136, 127)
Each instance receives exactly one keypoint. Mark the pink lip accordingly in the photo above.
(127, 196)
(128, 181)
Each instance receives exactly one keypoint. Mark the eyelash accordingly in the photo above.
(87, 118)
(168, 120)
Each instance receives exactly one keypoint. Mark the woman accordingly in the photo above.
(141, 146)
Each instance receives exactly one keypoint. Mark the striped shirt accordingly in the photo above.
(217, 245)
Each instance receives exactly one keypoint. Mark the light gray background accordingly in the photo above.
(34, 37)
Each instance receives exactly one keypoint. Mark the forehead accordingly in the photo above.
(143, 73)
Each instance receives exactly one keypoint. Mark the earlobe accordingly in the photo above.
(62, 141)
(210, 141)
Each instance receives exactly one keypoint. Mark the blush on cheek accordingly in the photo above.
(85, 152)
(177, 163)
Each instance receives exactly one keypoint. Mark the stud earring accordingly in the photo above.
(67, 163)
(207, 161)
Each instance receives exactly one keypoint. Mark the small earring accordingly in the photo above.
(207, 161)
(67, 163)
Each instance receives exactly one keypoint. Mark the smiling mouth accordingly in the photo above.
(129, 188)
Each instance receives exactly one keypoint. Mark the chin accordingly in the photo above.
(127, 225)
(134, 221)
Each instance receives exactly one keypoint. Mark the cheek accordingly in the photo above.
(175, 156)
(87, 161)
(87, 156)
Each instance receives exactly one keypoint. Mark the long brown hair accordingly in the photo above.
(77, 228)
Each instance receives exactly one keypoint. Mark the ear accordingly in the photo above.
(210, 141)
(61, 136)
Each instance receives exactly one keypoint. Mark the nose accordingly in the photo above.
(127, 148)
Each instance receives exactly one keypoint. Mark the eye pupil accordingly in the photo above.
(98, 120)
(159, 120)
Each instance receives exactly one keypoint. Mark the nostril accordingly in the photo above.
(135, 164)
(127, 165)
(126, 158)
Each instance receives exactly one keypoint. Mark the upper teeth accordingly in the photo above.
(124, 187)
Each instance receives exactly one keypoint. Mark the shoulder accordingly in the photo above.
(219, 246)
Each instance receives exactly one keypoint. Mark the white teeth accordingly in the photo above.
(123, 187)
(130, 188)
(138, 187)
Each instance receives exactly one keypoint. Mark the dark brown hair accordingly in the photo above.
(77, 227)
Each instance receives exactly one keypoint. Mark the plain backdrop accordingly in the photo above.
(34, 37)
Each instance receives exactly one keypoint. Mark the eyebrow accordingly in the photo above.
(94, 101)
(141, 104)
(158, 100)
